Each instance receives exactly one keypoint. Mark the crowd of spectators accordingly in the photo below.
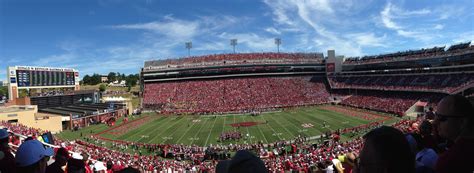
(407, 146)
(278, 156)
(421, 82)
(413, 54)
(225, 136)
(234, 59)
(234, 95)
(391, 102)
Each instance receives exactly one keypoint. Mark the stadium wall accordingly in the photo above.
(28, 115)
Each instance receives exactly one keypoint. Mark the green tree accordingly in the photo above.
(86, 80)
(3, 91)
(131, 80)
(102, 87)
(112, 77)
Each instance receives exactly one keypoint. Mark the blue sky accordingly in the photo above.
(116, 35)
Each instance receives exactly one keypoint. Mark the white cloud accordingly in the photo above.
(309, 17)
(272, 30)
(464, 37)
(171, 28)
(253, 41)
(438, 26)
(368, 39)
(386, 17)
(391, 12)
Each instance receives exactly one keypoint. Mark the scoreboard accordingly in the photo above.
(28, 78)
(24, 77)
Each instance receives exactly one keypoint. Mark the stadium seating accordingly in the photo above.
(391, 102)
(282, 156)
(234, 95)
(234, 59)
(412, 54)
(446, 83)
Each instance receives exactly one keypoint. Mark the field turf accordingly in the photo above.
(205, 130)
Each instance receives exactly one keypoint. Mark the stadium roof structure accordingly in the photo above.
(81, 109)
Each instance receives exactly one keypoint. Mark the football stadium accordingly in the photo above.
(399, 108)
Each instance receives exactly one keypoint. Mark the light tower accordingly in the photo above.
(189, 45)
(233, 42)
(278, 42)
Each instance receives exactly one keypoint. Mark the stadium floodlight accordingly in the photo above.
(278, 42)
(189, 45)
(233, 42)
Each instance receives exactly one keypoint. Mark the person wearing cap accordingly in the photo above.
(243, 161)
(7, 160)
(32, 157)
(99, 167)
(85, 158)
(60, 160)
(454, 121)
(76, 164)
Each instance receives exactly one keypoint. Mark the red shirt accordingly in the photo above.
(458, 158)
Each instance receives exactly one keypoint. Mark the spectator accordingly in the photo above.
(386, 150)
(60, 160)
(129, 170)
(429, 115)
(425, 129)
(99, 167)
(76, 164)
(7, 160)
(32, 157)
(85, 158)
(454, 121)
(109, 166)
(349, 162)
(243, 161)
(425, 157)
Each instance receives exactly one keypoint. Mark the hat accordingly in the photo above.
(62, 152)
(30, 152)
(99, 166)
(3, 133)
(455, 105)
(77, 156)
(243, 161)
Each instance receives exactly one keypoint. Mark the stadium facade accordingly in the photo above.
(205, 84)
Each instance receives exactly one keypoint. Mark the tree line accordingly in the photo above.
(130, 80)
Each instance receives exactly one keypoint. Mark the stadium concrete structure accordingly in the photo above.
(245, 82)
(63, 106)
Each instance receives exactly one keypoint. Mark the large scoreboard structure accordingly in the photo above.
(29, 77)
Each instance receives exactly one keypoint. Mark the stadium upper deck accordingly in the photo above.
(234, 59)
(434, 52)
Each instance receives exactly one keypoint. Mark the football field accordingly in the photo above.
(205, 130)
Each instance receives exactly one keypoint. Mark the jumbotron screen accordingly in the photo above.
(27, 78)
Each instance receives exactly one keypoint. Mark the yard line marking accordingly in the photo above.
(197, 133)
(289, 132)
(266, 141)
(166, 130)
(215, 119)
(184, 134)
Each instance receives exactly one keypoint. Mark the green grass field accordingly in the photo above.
(205, 130)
